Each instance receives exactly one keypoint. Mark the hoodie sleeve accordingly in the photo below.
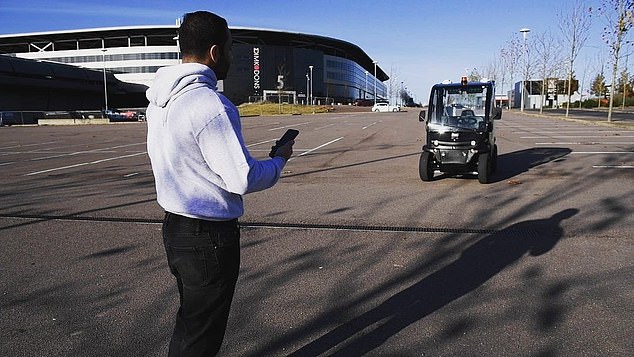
(224, 151)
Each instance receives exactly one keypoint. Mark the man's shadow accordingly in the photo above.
(476, 265)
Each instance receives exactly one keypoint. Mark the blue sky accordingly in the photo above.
(420, 42)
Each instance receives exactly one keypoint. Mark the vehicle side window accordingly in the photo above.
(437, 108)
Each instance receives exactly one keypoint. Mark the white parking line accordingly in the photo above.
(288, 126)
(588, 143)
(85, 163)
(7, 163)
(261, 142)
(601, 152)
(325, 126)
(580, 131)
(367, 126)
(88, 151)
(317, 148)
(613, 167)
(576, 136)
(23, 146)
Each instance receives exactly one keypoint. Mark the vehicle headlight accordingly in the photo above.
(473, 143)
(435, 142)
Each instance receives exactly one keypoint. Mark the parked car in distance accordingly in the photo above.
(385, 107)
(126, 115)
(363, 102)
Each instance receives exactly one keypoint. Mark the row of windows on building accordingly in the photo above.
(352, 74)
(84, 44)
(343, 71)
(115, 57)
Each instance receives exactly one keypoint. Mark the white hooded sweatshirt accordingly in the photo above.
(200, 163)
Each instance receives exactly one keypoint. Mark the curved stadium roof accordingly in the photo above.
(165, 35)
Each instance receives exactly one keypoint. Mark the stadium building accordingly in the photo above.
(266, 63)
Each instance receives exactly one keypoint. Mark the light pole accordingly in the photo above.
(400, 94)
(374, 81)
(105, 84)
(307, 88)
(178, 48)
(311, 85)
(524, 32)
(365, 93)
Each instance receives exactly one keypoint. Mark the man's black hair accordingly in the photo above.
(199, 31)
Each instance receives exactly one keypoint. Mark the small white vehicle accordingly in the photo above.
(385, 107)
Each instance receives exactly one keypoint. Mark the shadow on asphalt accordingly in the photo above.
(476, 265)
(512, 164)
(517, 162)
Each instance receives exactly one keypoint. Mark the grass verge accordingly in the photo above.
(253, 109)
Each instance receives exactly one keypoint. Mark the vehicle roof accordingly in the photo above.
(460, 85)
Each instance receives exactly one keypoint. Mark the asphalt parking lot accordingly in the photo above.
(350, 254)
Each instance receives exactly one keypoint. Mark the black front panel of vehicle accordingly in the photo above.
(456, 137)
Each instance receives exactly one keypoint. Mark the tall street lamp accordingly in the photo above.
(365, 93)
(178, 48)
(375, 62)
(524, 32)
(311, 85)
(307, 88)
(105, 84)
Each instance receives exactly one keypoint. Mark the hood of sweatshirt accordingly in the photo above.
(172, 81)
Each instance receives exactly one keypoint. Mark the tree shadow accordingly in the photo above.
(476, 265)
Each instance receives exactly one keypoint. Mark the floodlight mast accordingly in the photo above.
(524, 32)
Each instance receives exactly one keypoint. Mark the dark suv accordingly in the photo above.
(460, 130)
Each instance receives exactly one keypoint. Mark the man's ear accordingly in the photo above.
(214, 54)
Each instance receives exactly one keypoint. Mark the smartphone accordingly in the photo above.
(289, 135)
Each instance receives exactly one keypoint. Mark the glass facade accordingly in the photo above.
(346, 78)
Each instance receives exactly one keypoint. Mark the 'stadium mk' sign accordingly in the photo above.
(256, 68)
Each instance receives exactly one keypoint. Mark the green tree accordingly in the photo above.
(598, 87)
(624, 83)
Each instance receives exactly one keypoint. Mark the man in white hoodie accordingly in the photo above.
(201, 169)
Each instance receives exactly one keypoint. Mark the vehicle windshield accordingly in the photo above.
(459, 107)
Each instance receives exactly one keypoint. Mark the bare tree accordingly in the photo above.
(582, 82)
(618, 17)
(393, 85)
(574, 24)
(494, 71)
(547, 53)
(510, 55)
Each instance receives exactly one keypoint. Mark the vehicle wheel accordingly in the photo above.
(395, 110)
(484, 168)
(494, 161)
(425, 166)
(376, 110)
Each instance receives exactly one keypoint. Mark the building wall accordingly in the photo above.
(135, 58)
(27, 85)
(256, 68)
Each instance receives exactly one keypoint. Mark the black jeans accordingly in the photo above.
(204, 256)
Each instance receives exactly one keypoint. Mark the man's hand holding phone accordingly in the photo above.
(284, 147)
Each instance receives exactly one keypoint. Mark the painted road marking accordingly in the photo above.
(577, 136)
(317, 148)
(88, 151)
(613, 167)
(367, 126)
(288, 126)
(85, 163)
